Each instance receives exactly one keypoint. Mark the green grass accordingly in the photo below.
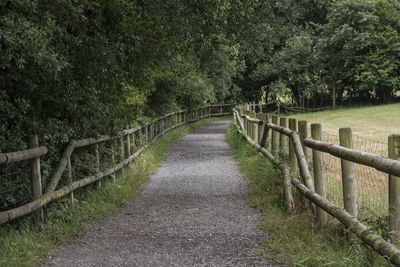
(23, 243)
(373, 122)
(294, 238)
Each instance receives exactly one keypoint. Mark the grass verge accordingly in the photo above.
(293, 236)
(23, 243)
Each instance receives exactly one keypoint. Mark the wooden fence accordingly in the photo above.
(127, 153)
(256, 127)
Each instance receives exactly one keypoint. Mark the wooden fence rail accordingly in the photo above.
(305, 182)
(153, 131)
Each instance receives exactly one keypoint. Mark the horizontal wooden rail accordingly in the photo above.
(375, 241)
(218, 105)
(133, 130)
(378, 162)
(51, 192)
(52, 195)
(22, 155)
(282, 166)
(250, 119)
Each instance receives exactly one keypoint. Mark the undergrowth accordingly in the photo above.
(24, 243)
(293, 237)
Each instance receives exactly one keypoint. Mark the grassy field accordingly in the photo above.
(293, 237)
(373, 122)
(22, 243)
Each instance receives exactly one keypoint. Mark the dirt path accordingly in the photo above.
(193, 212)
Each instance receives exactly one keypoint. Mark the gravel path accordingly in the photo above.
(193, 212)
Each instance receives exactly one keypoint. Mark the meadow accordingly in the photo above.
(371, 122)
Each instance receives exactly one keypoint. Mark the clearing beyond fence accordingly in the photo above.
(348, 195)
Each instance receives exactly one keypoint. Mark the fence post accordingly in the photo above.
(282, 137)
(139, 137)
(134, 142)
(69, 180)
(36, 177)
(255, 127)
(292, 154)
(121, 152)
(260, 116)
(394, 191)
(319, 172)
(348, 177)
(97, 154)
(274, 135)
(152, 129)
(209, 111)
(266, 120)
(246, 125)
(128, 144)
(251, 125)
(303, 134)
(220, 110)
(245, 122)
(113, 162)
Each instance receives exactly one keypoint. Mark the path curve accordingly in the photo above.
(193, 212)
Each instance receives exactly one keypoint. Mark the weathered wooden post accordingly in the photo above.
(319, 171)
(69, 180)
(97, 155)
(303, 134)
(348, 177)
(260, 105)
(266, 120)
(113, 162)
(394, 191)
(260, 116)
(245, 122)
(283, 138)
(121, 151)
(251, 128)
(220, 110)
(292, 154)
(209, 111)
(274, 136)
(255, 127)
(36, 176)
(128, 144)
(133, 142)
(139, 133)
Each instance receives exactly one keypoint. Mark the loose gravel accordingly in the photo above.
(193, 212)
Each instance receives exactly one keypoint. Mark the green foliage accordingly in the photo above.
(79, 69)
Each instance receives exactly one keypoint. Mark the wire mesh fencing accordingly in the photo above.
(371, 184)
